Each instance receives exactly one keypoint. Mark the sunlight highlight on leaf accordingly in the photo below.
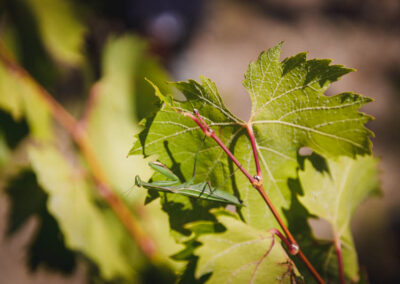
(243, 254)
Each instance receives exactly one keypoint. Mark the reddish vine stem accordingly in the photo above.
(276, 215)
(82, 140)
(210, 133)
(249, 128)
(292, 248)
(338, 249)
(257, 184)
(289, 236)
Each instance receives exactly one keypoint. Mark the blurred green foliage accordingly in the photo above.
(51, 181)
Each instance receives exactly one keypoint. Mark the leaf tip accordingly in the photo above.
(166, 99)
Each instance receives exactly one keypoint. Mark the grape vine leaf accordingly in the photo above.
(243, 254)
(289, 111)
(334, 195)
(288, 106)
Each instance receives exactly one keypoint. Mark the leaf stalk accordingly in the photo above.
(338, 249)
(250, 131)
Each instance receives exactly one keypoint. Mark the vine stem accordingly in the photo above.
(250, 131)
(338, 249)
(257, 184)
(81, 138)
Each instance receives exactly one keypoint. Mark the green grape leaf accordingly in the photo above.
(334, 195)
(289, 108)
(61, 29)
(243, 254)
(289, 111)
(87, 227)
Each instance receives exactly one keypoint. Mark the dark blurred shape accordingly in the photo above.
(395, 235)
(188, 274)
(371, 12)
(168, 24)
(166, 29)
(318, 162)
(47, 248)
(393, 74)
(11, 130)
(159, 274)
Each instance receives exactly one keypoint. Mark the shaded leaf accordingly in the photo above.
(334, 196)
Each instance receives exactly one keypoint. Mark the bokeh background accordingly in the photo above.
(218, 39)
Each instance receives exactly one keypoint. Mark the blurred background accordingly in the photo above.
(218, 39)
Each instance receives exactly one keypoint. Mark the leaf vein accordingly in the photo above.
(305, 128)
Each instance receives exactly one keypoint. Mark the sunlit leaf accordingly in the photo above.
(294, 113)
(289, 111)
(243, 254)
